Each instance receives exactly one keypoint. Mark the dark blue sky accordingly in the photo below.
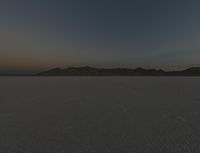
(39, 34)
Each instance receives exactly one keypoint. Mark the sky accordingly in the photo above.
(36, 35)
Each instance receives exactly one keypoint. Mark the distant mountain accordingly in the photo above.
(91, 71)
(193, 71)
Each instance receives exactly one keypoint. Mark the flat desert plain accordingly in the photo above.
(99, 114)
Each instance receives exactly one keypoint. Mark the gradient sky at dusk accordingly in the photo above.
(41, 34)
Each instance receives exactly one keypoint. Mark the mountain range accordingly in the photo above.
(91, 71)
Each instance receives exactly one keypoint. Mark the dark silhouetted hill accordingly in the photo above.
(193, 71)
(91, 71)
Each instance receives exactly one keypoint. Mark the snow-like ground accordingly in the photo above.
(99, 115)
